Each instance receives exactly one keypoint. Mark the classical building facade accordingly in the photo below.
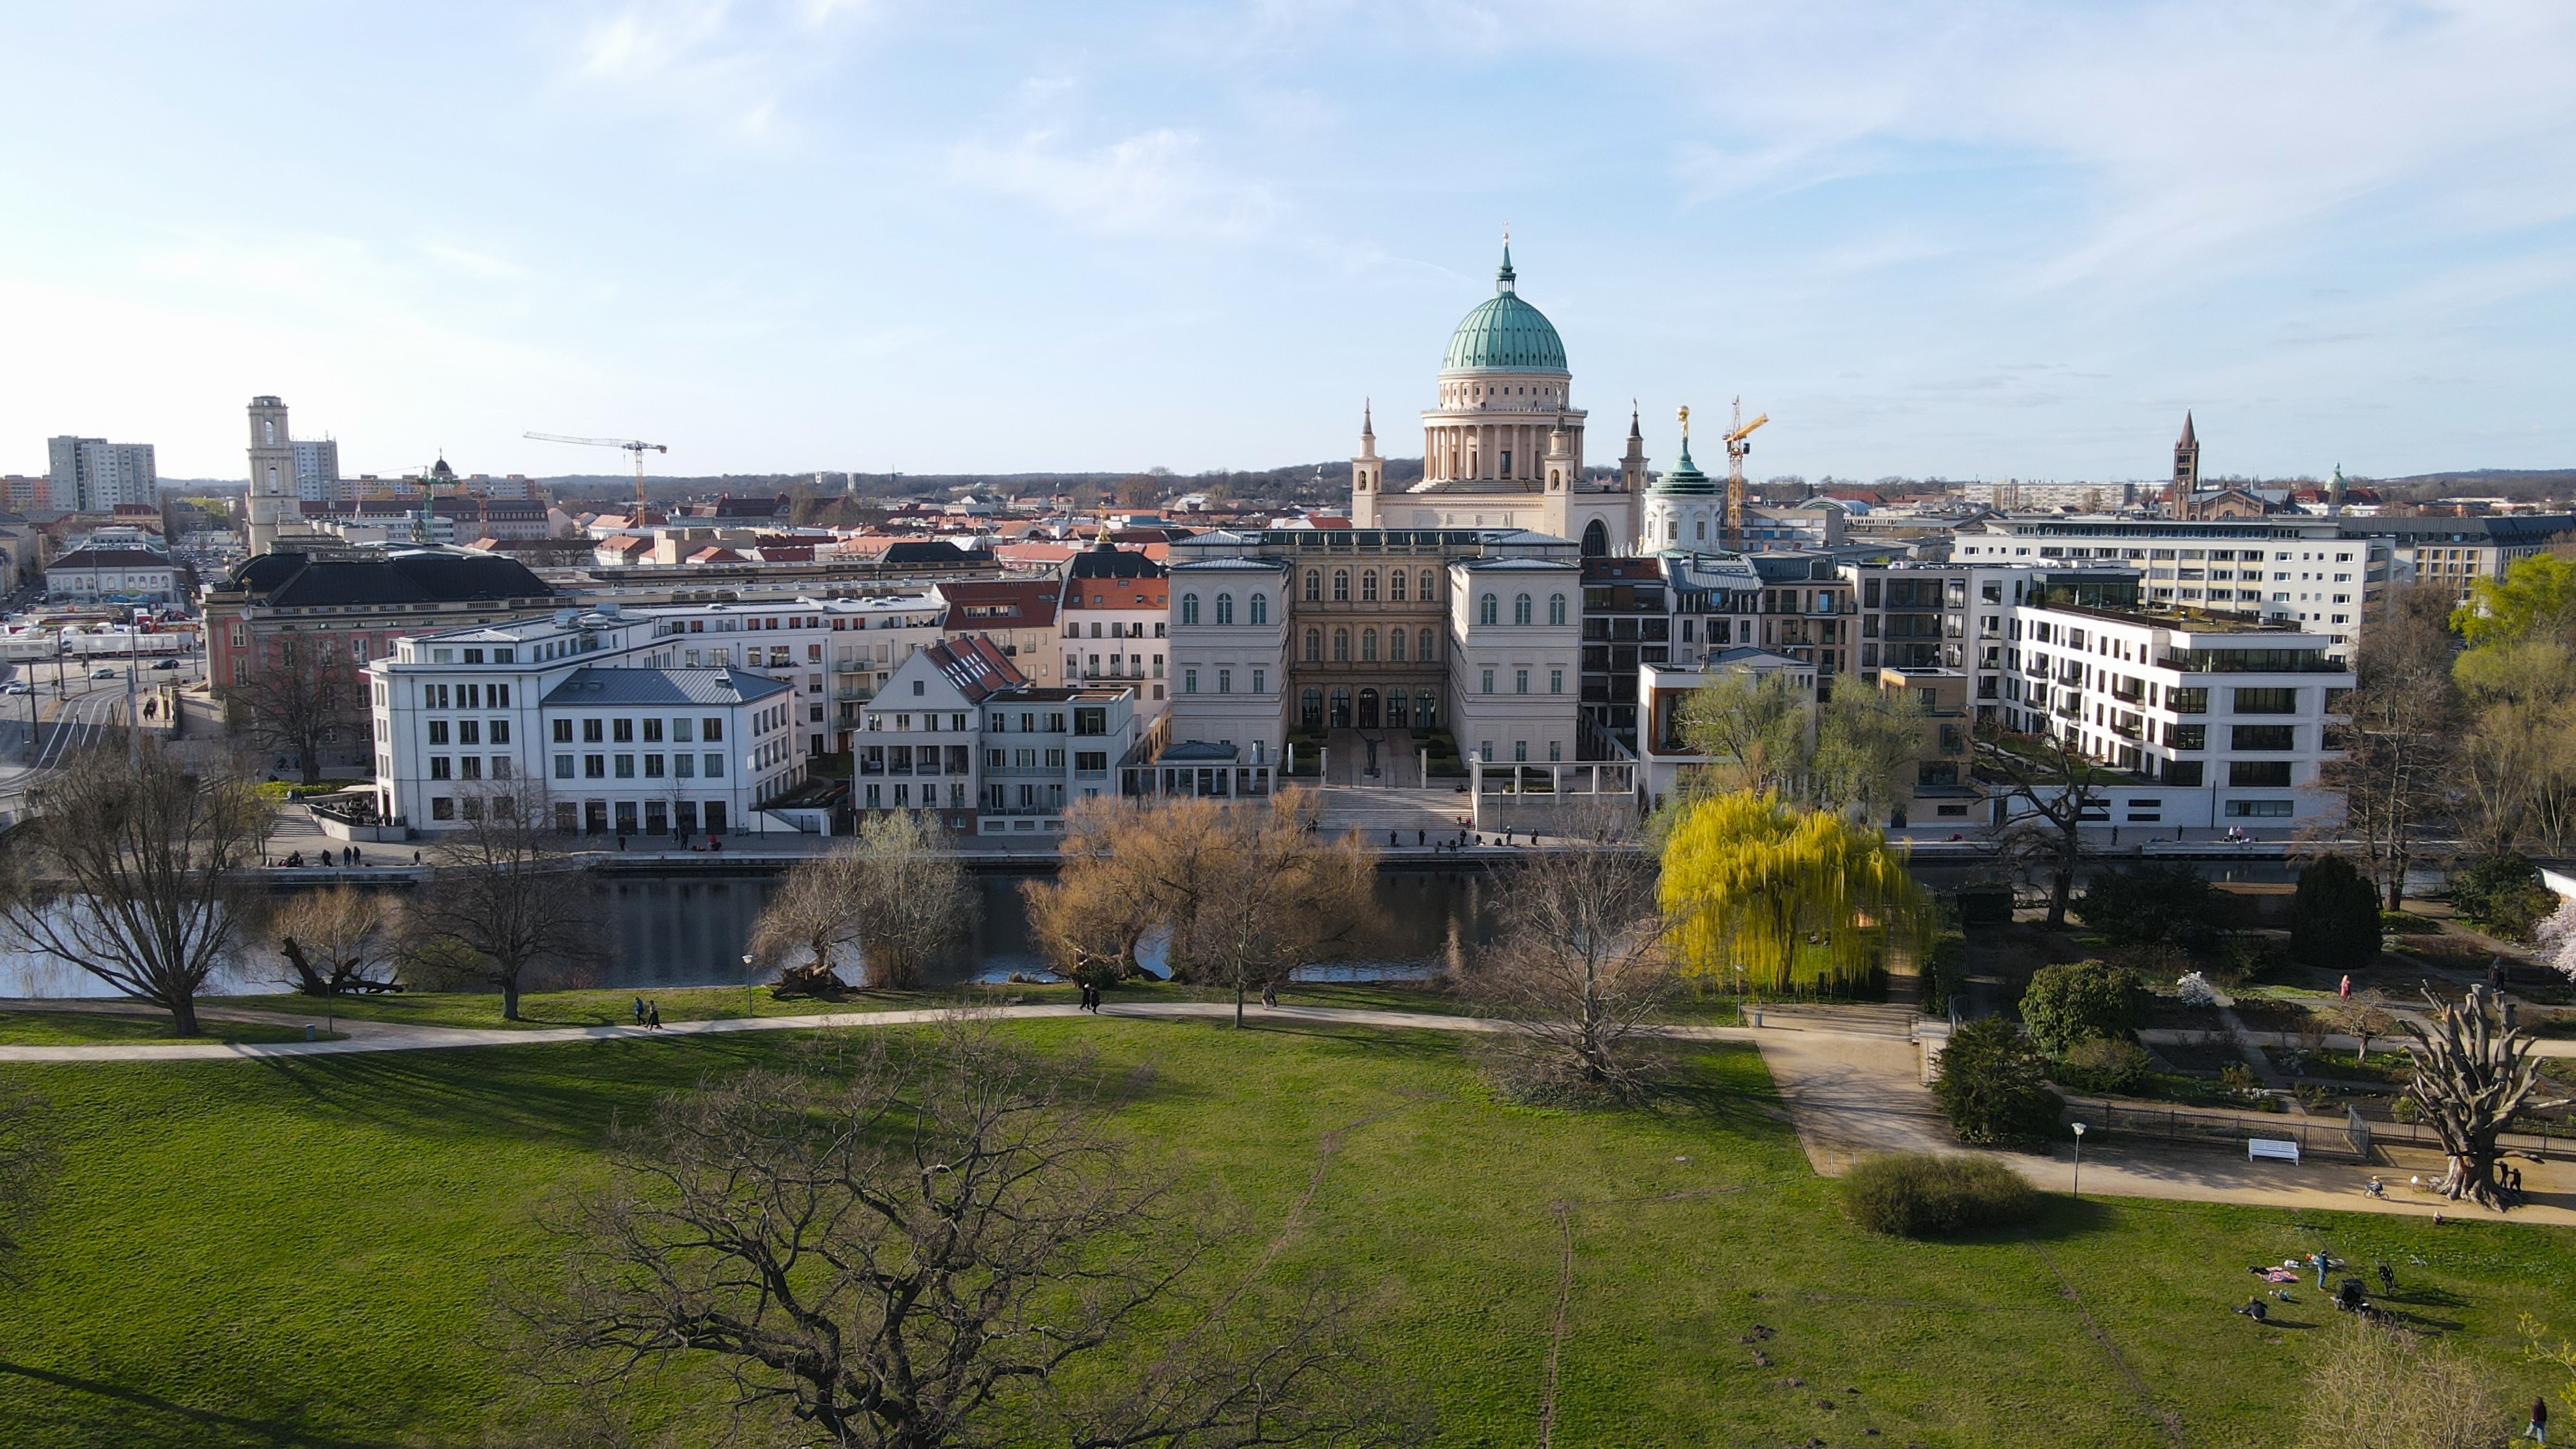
(1504, 447)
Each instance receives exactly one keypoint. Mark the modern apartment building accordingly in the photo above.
(2457, 552)
(93, 475)
(591, 719)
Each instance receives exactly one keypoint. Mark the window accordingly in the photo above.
(1189, 681)
(442, 807)
(2187, 736)
(1430, 590)
(680, 731)
(469, 732)
(1368, 646)
(1556, 681)
(1489, 609)
(1258, 684)
(1341, 646)
(1189, 608)
(1521, 609)
(2187, 701)
(1520, 681)
(1395, 586)
(652, 732)
(2271, 774)
(1556, 611)
(714, 731)
(2258, 809)
(1395, 639)
(438, 732)
(438, 769)
(1341, 586)
(1368, 586)
(594, 767)
(1314, 585)
(1488, 676)
(563, 767)
(1260, 612)
(1225, 681)
(593, 731)
(1225, 608)
(498, 731)
(1428, 652)
(2267, 701)
(1314, 646)
(652, 767)
(715, 767)
(2264, 737)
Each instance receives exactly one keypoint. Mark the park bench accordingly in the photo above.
(2279, 1149)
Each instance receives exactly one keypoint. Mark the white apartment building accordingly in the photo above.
(1116, 614)
(2220, 722)
(1230, 668)
(1515, 637)
(317, 470)
(591, 718)
(2457, 552)
(2313, 572)
(959, 732)
(93, 475)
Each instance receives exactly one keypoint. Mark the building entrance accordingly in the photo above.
(1368, 709)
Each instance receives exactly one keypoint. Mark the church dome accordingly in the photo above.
(1685, 478)
(1504, 334)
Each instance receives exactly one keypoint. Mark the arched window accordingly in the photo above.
(1395, 585)
(1556, 609)
(1189, 608)
(1314, 646)
(1368, 646)
(1368, 586)
(1261, 608)
(1395, 642)
(1341, 646)
(1596, 540)
(1310, 709)
(1314, 585)
(1430, 591)
(1429, 651)
(1489, 610)
(1341, 586)
(1225, 608)
(1521, 609)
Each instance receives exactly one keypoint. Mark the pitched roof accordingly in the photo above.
(1000, 603)
(423, 576)
(605, 687)
(1105, 560)
(975, 665)
(110, 558)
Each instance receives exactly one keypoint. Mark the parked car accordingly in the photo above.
(17, 686)
(102, 672)
(165, 663)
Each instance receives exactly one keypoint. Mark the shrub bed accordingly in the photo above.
(1920, 1195)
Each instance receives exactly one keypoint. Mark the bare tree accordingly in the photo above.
(129, 873)
(1580, 964)
(1245, 892)
(336, 941)
(2361, 1016)
(2396, 767)
(2054, 787)
(2471, 1076)
(299, 702)
(814, 914)
(503, 904)
(914, 898)
(927, 1245)
(2376, 1387)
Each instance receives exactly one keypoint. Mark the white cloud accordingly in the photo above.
(1154, 183)
(730, 63)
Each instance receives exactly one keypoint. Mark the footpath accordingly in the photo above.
(1850, 1089)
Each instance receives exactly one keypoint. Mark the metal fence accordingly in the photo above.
(2354, 1137)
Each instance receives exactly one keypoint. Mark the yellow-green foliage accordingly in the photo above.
(1793, 900)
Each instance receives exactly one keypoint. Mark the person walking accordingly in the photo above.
(639, 1011)
(2344, 992)
(653, 1022)
(2538, 1433)
(2322, 1262)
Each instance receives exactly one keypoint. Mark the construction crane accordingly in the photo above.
(1737, 445)
(636, 446)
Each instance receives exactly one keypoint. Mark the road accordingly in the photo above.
(80, 716)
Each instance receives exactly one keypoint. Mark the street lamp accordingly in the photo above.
(746, 986)
(2079, 1159)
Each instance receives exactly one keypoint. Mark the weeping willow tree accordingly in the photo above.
(1762, 894)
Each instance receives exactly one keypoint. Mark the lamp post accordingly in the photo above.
(746, 986)
(2079, 1160)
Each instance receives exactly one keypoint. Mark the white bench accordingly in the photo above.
(2279, 1149)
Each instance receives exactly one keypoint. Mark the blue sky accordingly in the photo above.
(1962, 240)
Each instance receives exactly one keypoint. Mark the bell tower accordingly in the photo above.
(1368, 474)
(273, 494)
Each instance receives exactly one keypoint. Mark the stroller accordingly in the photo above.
(2348, 1298)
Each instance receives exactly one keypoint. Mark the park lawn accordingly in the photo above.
(302, 1252)
(40, 1027)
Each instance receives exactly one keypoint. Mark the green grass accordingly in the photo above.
(86, 1028)
(302, 1251)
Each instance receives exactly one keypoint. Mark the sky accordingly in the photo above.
(1968, 240)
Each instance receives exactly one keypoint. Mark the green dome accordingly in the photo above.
(1685, 477)
(1504, 334)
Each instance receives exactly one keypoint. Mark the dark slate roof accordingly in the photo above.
(589, 688)
(1106, 560)
(975, 666)
(2487, 529)
(300, 581)
(935, 550)
(110, 558)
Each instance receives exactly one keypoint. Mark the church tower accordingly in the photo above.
(2186, 474)
(1368, 474)
(272, 502)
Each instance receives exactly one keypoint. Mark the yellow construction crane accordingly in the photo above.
(1737, 445)
(636, 446)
